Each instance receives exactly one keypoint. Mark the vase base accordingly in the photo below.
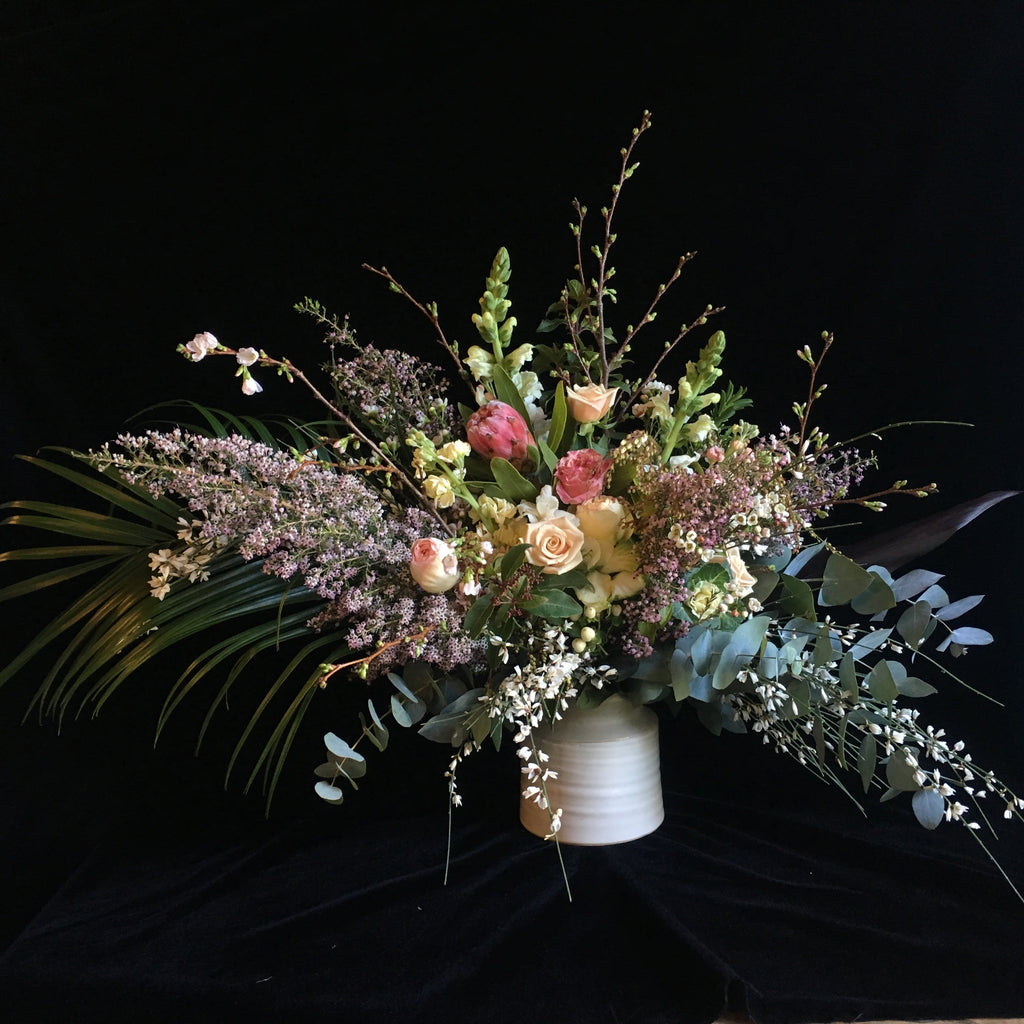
(608, 782)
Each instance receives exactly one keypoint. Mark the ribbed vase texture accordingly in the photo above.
(609, 775)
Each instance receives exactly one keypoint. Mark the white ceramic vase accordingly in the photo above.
(609, 775)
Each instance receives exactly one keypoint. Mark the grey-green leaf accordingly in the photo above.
(881, 684)
(899, 773)
(929, 807)
(332, 794)
(340, 749)
(866, 756)
(913, 623)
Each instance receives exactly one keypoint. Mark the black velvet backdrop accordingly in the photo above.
(167, 170)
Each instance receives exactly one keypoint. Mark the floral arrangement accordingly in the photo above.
(574, 528)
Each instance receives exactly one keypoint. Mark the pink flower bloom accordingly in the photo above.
(434, 565)
(496, 430)
(579, 475)
(714, 454)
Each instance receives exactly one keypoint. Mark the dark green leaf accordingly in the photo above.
(844, 579)
(476, 618)
(876, 597)
(559, 431)
(512, 560)
(514, 486)
(797, 599)
(899, 773)
(553, 605)
(827, 648)
(911, 686)
(881, 684)
(507, 392)
(848, 676)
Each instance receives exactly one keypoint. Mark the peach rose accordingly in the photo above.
(434, 565)
(590, 403)
(556, 544)
(743, 581)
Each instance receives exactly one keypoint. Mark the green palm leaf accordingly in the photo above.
(114, 628)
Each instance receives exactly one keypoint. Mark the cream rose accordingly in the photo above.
(605, 523)
(591, 403)
(434, 565)
(556, 544)
(603, 588)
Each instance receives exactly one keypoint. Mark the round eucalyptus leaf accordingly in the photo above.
(969, 636)
(899, 773)
(331, 794)
(929, 807)
(340, 749)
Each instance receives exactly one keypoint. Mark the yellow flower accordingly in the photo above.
(439, 489)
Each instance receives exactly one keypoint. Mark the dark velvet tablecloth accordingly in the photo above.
(763, 888)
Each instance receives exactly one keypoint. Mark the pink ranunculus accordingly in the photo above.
(434, 565)
(579, 475)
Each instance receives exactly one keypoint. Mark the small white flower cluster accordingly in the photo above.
(549, 677)
(770, 709)
(188, 563)
(204, 343)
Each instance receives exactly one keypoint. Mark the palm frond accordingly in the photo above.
(115, 627)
